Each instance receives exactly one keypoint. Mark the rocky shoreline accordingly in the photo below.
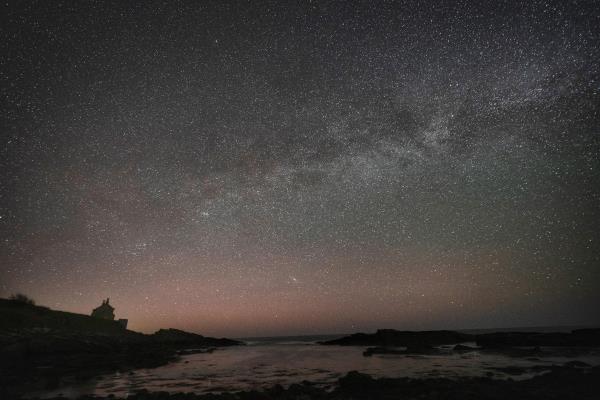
(514, 344)
(569, 382)
(44, 349)
(47, 360)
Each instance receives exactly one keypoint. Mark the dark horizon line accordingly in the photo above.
(466, 330)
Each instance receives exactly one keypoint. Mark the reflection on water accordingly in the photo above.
(264, 365)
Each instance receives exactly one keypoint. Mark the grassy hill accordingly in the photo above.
(19, 316)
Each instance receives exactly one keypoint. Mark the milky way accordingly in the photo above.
(258, 168)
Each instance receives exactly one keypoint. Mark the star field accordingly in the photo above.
(260, 168)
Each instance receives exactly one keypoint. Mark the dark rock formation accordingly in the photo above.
(497, 340)
(182, 338)
(394, 338)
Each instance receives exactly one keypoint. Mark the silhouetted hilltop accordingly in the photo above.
(24, 319)
(182, 338)
(42, 346)
(19, 316)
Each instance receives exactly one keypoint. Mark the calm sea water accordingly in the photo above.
(264, 363)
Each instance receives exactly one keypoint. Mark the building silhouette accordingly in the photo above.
(106, 311)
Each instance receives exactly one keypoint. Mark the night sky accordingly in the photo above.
(260, 168)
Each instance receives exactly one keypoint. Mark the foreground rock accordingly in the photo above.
(560, 383)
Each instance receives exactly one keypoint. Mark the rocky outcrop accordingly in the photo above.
(182, 338)
(489, 341)
(394, 338)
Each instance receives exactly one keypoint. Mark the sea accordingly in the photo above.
(265, 362)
